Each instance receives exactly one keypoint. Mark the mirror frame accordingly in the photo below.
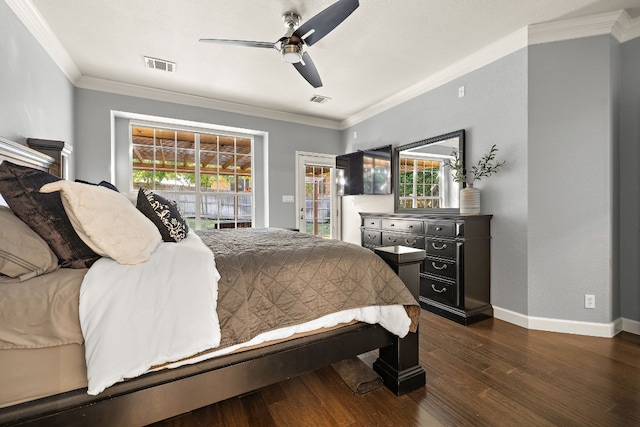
(396, 171)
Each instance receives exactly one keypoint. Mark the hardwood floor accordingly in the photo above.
(491, 373)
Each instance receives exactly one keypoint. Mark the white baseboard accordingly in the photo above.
(606, 330)
(631, 326)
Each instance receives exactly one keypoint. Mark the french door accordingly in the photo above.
(316, 202)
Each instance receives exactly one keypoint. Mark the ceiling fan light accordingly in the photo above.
(292, 53)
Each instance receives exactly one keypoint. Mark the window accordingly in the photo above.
(208, 174)
(419, 183)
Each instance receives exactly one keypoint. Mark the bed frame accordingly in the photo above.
(160, 395)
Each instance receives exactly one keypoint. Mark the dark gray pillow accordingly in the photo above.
(164, 213)
(44, 213)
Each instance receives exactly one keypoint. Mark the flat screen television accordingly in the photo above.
(365, 172)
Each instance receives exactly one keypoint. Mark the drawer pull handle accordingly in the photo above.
(439, 248)
(438, 228)
(443, 267)
(410, 243)
(438, 291)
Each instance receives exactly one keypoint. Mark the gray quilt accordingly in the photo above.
(273, 278)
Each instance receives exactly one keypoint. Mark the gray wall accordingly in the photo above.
(572, 175)
(493, 111)
(565, 116)
(36, 98)
(630, 181)
(93, 131)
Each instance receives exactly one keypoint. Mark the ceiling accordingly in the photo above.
(383, 48)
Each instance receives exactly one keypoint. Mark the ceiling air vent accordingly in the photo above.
(319, 99)
(160, 64)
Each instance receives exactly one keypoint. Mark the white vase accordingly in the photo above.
(469, 201)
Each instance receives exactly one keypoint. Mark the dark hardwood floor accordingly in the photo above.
(491, 373)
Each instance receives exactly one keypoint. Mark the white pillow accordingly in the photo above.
(107, 221)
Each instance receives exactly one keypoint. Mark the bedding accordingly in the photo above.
(23, 254)
(164, 213)
(273, 278)
(107, 221)
(136, 316)
(43, 213)
(271, 284)
(42, 311)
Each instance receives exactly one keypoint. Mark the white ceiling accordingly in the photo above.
(383, 48)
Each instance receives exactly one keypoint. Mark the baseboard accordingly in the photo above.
(631, 326)
(606, 330)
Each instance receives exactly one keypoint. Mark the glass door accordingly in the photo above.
(316, 195)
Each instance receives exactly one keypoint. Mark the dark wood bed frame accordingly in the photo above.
(160, 395)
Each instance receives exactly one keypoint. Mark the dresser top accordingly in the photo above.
(424, 215)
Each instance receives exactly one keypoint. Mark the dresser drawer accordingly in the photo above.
(440, 267)
(441, 248)
(371, 222)
(403, 239)
(445, 229)
(438, 290)
(403, 225)
(371, 237)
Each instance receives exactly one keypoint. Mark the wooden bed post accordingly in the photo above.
(399, 364)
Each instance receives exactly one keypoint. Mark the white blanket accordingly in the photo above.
(136, 316)
(393, 318)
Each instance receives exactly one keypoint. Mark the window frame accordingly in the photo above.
(198, 194)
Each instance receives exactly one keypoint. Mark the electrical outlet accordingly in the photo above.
(589, 301)
(460, 91)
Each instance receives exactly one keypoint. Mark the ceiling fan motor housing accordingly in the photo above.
(292, 52)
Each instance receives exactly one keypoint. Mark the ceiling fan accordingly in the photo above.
(291, 45)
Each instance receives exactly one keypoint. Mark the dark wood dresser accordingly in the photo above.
(455, 277)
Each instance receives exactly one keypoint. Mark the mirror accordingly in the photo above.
(422, 182)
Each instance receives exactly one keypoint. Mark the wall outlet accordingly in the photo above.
(460, 91)
(589, 301)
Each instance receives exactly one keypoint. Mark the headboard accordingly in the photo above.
(23, 155)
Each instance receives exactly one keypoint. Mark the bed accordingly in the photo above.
(162, 393)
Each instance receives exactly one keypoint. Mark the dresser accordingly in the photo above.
(455, 277)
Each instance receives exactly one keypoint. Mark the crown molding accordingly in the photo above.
(37, 26)
(499, 49)
(617, 23)
(628, 28)
(588, 26)
(110, 86)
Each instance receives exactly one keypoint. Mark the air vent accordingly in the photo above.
(160, 64)
(319, 99)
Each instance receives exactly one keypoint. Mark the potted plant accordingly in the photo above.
(486, 166)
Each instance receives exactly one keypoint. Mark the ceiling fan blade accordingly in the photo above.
(325, 21)
(308, 70)
(246, 43)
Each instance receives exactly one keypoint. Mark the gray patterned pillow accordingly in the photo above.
(164, 213)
